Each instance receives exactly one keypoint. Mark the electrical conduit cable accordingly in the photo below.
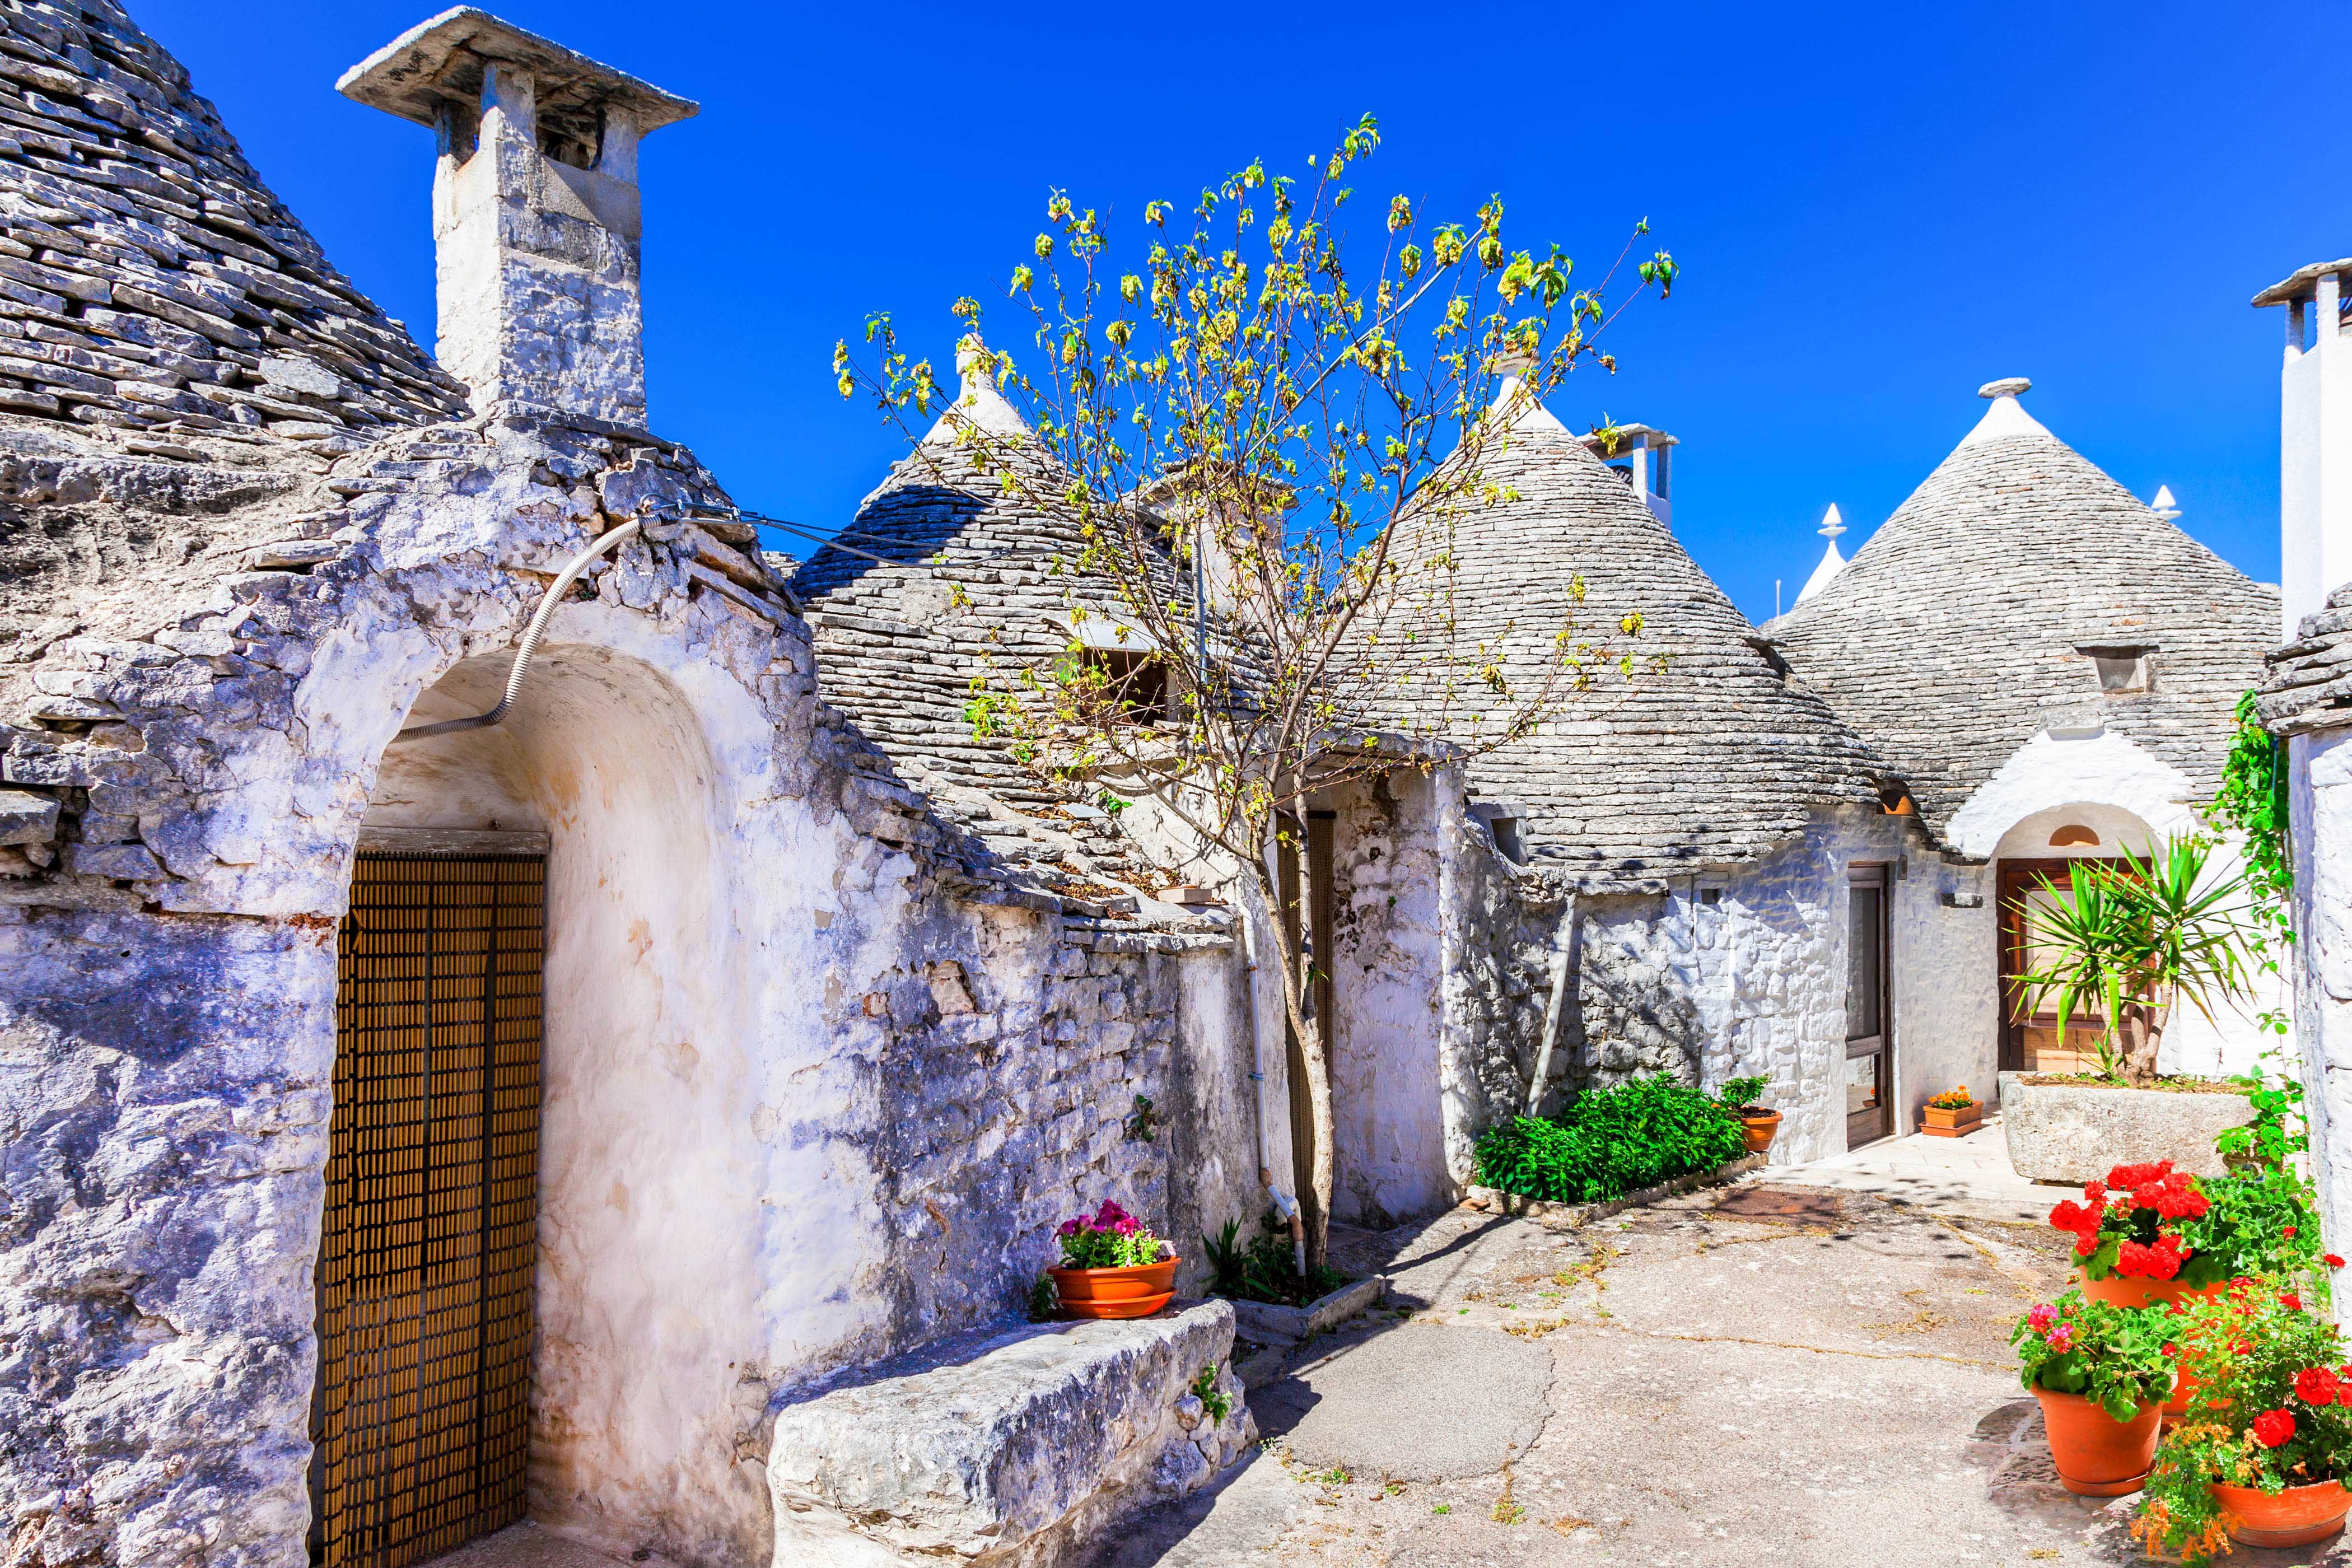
(532, 634)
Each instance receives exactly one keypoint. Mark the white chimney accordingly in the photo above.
(2314, 441)
(1642, 457)
(535, 209)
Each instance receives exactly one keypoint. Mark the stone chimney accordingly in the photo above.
(2314, 440)
(535, 209)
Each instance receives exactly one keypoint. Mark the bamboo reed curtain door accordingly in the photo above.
(420, 1422)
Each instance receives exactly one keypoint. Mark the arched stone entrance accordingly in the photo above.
(2031, 858)
(635, 1144)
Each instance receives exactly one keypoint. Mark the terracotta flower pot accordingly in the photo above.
(1759, 1128)
(2295, 1516)
(2096, 1455)
(2117, 1290)
(1950, 1117)
(1115, 1292)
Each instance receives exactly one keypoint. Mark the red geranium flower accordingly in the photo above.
(2316, 1385)
(2332, 1260)
(2272, 1427)
(2291, 1302)
(2287, 1230)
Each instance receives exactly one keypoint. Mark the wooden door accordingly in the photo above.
(419, 1422)
(2029, 1040)
(1869, 1028)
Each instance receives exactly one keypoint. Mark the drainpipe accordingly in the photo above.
(532, 634)
(1563, 946)
(1285, 1204)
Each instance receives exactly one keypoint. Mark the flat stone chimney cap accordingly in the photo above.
(441, 61)
(2300, 283)
(2007, 386)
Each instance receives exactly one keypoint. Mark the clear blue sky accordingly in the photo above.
(1877, 208)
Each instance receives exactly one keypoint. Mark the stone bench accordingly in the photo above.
(1007, 1448)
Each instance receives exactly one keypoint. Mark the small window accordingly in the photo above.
(2074, 835)
(2119, 669)
(1137, 682)
(1507, 840)
(1710, 896)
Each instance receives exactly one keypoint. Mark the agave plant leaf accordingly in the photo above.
(2134, 937)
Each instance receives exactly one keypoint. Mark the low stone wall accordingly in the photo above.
(2066, 1132)
(1017, 1448)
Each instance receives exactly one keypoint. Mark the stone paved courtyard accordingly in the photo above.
(1772, 1374)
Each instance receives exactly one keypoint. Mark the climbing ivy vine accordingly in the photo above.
(2252, 803)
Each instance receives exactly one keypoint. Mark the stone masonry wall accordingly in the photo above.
(905, 1069)
(1750, 980)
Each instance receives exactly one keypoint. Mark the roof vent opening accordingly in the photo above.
(2119, 669)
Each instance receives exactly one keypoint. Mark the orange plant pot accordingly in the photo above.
(1950, 1119)
(1759, 1128)
(2096, 1455)
(2295, 1516)
(1115, 1292)
(2118, 1291)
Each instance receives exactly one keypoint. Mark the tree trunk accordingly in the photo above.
(1317, 1060)
(2142, 1029)
(1319, 1101)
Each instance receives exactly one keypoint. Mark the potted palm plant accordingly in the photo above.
(2123, 945)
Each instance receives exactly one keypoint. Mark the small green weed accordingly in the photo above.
(1212, 1398)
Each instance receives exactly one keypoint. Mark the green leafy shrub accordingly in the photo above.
(1612, 1141)
(1744, 1093)
(1267, 1270)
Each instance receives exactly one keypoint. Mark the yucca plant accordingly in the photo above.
(2131, 941)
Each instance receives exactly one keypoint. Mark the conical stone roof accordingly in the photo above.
(940, 580)
(1707, 755)
(1955, 634)
(149, 280)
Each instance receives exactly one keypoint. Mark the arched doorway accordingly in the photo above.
(2033, 857)
(530, 1300)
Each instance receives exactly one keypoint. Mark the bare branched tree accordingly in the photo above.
(1265, 433)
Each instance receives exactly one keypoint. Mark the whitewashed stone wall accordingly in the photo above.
(1387, 1086)
(1752, 981)
(812, 1098)
(2320, 782)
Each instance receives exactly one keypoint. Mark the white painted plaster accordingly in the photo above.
(2320, 829)
(2047, 773)
(2132, 800)
(2007, 416)
(1387, 1098)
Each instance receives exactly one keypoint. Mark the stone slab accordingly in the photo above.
(1013, 1448)
(1493, 1200)
(2067, 1133)
(1274, 1323)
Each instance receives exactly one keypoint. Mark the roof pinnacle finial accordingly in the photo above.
(2164, 506)
(1832, 525)
(2007, 386)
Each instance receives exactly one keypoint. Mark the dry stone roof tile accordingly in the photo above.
(149, 280)
(1708, 755)
(1954, 635)
(2308, 685)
